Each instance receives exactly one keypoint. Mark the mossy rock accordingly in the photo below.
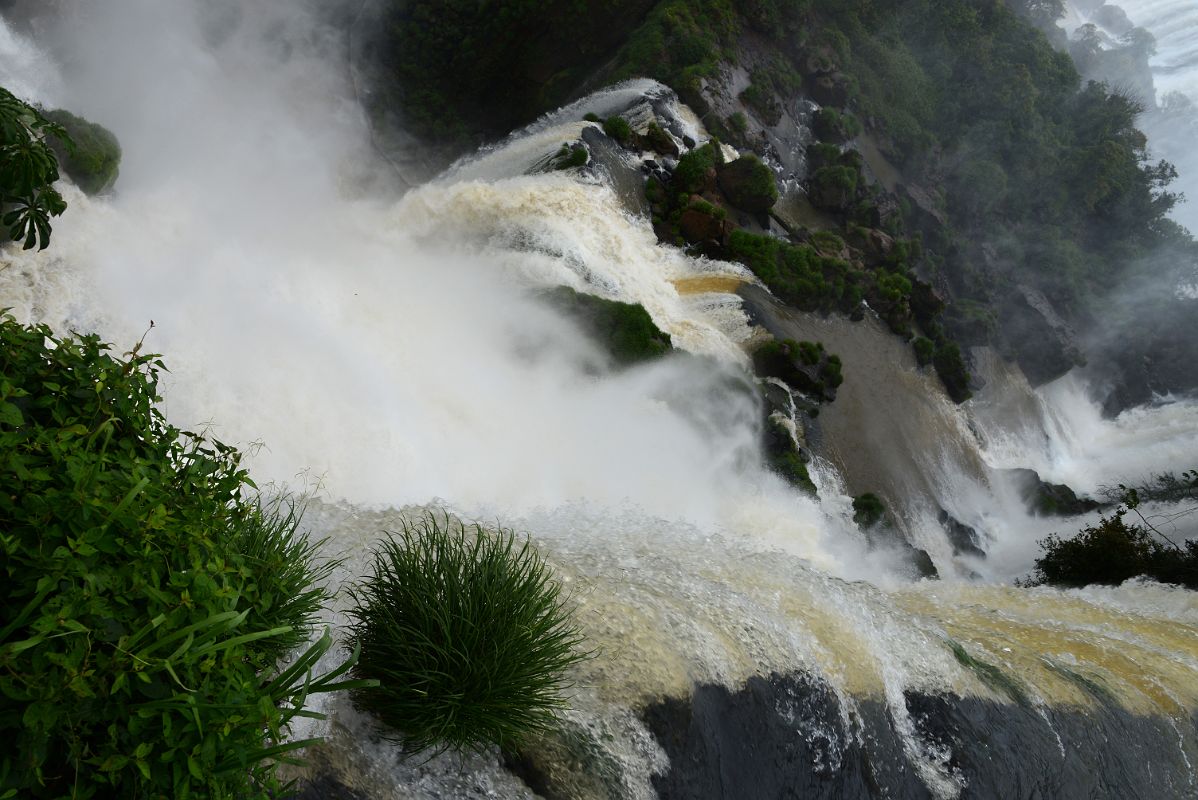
(656, 139)
(625, 329)
(833, 188)
(804, 366)
(95, 161)
(784, 458)
(831, 125)
(748, 184)
(868, 510)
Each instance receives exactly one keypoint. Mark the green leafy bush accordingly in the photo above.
(94, 161)
(1112, 551)
(467, 633)
(28, 167)
(145, 598)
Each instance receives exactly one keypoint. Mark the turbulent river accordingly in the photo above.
(384, 353)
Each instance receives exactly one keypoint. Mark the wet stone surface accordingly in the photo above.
(785, 737)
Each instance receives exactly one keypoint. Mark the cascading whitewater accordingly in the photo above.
(389, 353)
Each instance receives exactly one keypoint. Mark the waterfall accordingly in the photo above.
(387, 354)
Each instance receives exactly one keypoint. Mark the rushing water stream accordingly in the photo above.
(387, 355)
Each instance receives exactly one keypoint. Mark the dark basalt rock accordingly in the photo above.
(748, 184)
(325, 786)
(1037, 337)
(783, 737)
(777, 737)
(830, 90)
(1051, 499)
(964, 538)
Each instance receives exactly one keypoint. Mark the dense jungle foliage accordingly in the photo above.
(1036, 178)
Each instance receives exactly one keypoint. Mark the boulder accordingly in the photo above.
(924, 202)
(1043, 344)
(819, 62)
(831, 90)
(964, 539)
(833, 188)
(748, 184)
(926, 301)
(702, 223)
(1051, 499)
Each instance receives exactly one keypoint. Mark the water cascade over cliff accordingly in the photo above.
(389, 354)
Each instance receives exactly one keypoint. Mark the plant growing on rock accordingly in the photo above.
(748, 184)
(618, 129)
(468, 634)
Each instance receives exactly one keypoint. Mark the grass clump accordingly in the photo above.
(467, 633)
(146, 593)
(618, 129)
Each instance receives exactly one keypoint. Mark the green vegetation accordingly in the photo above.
(768, 84)
(790, 466)
(466, 632)
(783, 456)
(1112, 551)
(694, 168)
(618, 129)
(924, 350)
(983, 87)
(950, 366)
(748, 184)
(94, 160)
(835, 126)
(28, 168)
(798, 274)
(625, 329)
(568, 157)
(868, 510)
(989, 674)
(804, 366)
(146, 597)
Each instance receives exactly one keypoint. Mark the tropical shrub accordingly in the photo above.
(1112, 551)
(146, 595)
(467, 634)
(28, 168)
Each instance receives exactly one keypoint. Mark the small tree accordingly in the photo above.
(28, 167)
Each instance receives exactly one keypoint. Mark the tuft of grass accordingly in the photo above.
(468, 634)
